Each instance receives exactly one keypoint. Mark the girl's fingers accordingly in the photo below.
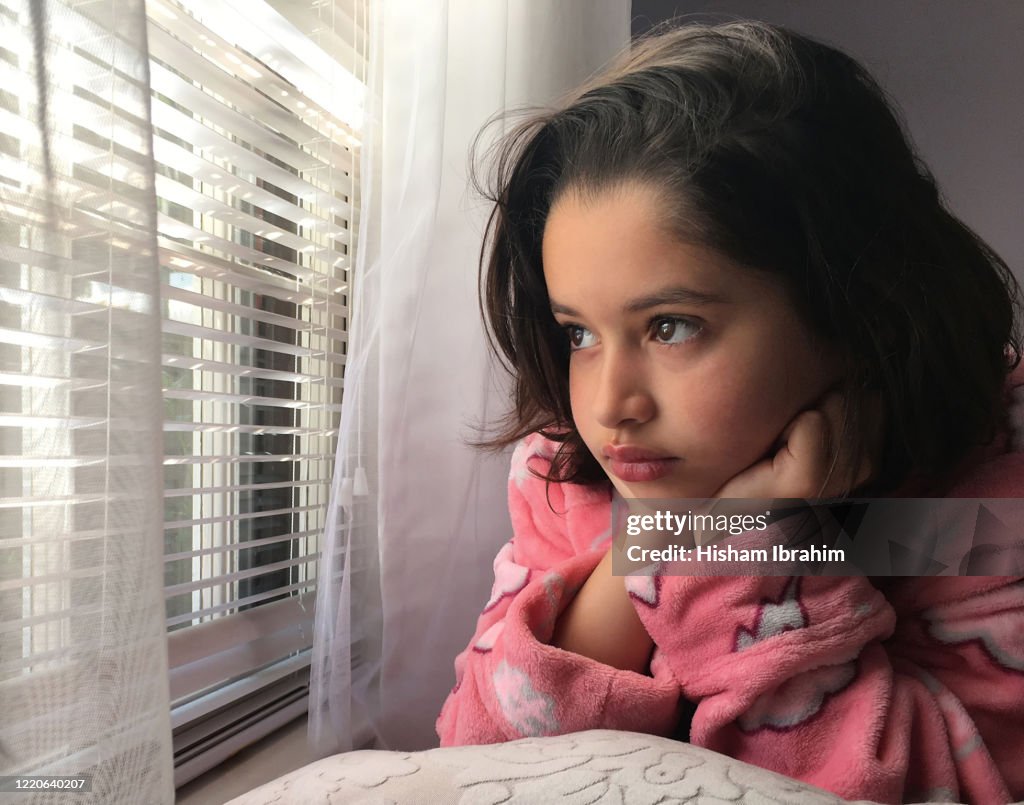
(803, 460)
(757, 481)
(813, 459)
(823, 462)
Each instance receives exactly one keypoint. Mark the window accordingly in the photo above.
(256, 110)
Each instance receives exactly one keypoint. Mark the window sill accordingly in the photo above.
(280, 752)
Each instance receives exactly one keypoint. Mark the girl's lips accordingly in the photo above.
(637, 471)
(630, 453)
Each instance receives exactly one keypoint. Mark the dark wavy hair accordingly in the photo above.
(784, 155)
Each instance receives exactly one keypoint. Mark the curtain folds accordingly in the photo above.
(83, 658)
(416, 515)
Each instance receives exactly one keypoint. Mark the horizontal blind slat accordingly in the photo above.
(187, 587)
(239, 517)
(241, 546)
(170, 461)
(258, 430)
(254, 372)
(246, 399)
(219, 609)
(192, 491)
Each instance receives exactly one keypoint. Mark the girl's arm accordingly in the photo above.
(511, 681)
(806, 677)
(601, 623)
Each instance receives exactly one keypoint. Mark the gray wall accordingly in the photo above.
(956, 69)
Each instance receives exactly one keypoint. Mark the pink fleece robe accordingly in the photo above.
(888, 689)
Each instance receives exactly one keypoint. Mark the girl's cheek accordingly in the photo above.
(579, 397)
(575, 390)
(740, 420)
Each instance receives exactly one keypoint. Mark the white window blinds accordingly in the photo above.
(256, 111)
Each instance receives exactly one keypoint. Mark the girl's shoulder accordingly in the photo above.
(532, 459)
(533, 446)
(561, 518)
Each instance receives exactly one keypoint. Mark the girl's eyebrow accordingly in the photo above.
(670, 296)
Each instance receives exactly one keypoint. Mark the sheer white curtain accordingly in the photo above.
(83, 658)
(417, 516)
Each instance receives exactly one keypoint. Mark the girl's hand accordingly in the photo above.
(809, 448)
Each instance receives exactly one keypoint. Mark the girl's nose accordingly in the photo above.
(622, 395)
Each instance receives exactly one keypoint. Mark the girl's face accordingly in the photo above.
(685, 367)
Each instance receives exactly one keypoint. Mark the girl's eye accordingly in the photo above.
(579, 337)
(672, 331)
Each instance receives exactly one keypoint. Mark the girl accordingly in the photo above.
(719, 270)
